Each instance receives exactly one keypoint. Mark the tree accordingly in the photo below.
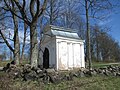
(24, 39)
(92, 9)
(95, 34)
(36, 9)
(16, 49)
(2, 29)
(16, 37)
(52, 11)
(109, 48)
(1, 23)
(69, 13)
(103, 46)
(88, 47)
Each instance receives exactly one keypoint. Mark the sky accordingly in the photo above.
(114, 23)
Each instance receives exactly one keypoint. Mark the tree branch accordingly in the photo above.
(22, 11)
(43, 7)
(5, 40)
(32, 8)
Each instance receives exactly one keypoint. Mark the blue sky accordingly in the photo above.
(114, 22)
(115, 26)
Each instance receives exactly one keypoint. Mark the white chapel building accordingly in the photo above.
(61, 49)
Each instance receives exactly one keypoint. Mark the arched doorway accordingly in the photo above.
(46, 58)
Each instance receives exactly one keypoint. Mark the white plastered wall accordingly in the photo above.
(49, 43)
(70, 53)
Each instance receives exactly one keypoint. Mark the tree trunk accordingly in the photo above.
(97, 46)
(23, 47)
(51, 12)
(34, 45)
(16, 41)
(88, 47)
(11, 55)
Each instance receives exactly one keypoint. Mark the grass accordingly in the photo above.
(3, 63)
(94, 64)
(103, 64)
(84, 83)
(88, 83)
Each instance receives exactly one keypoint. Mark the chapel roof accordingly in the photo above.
(60, 31)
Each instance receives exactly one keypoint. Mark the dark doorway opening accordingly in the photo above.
(46, 58)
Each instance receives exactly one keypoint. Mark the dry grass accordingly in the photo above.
(3, 63)
(6, 83)
(84, 83)
(88, 83)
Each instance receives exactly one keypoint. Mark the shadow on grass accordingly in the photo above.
(75, 85)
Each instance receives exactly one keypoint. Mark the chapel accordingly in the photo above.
(61, 49)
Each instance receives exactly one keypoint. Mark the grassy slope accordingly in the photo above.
(85, 83)
(103, 64)
(88, 83)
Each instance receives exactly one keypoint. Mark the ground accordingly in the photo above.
(88, 83)
(83, 83)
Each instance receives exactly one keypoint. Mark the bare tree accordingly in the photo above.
(103, 46)
(68, 13)
(24, 40)
(16, 41)
(88, 47)
(93, 9)
(16, 49)
(52, 11)
(36, 9)
(3, 28)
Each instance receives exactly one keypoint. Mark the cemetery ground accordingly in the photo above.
(97, 82)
